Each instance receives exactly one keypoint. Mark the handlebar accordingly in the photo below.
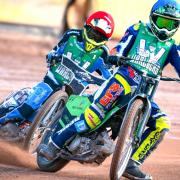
(165, 78)
(125, 61)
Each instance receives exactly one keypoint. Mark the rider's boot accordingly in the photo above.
(151, 139)
(3, 111)
(49, 151)
(133, 171)
(40, 93)
(60, 136)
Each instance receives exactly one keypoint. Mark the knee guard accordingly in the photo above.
(93, 116)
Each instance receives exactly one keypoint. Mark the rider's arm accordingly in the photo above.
(126, 42)
(124, 45)
(59, 48)
(100, 66)
(103, 68)
(174, 58)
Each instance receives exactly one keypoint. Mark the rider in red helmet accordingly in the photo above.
(84, 46)
(98, 28)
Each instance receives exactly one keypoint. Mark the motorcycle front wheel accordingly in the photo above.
(42, 120)
(124, 145)
(43, 163)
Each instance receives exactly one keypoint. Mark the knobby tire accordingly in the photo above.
(130, 121)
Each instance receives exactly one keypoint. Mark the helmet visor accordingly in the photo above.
(95, 35)
(169, 24)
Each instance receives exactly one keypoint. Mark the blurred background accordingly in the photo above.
(29, 29)
(63, 14)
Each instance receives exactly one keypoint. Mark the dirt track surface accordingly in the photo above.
(22, 63)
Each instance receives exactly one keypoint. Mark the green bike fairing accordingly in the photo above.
(75, 106)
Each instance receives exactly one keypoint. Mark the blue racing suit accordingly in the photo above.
(122, 83)
(91, 61)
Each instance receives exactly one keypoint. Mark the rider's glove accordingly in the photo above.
(117, 60)
(52, 58)
(121, 60)
(112, 59)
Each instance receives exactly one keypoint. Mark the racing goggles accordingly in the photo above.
(94, 36)
(162, 22)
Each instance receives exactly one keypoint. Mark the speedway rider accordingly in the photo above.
(150, 42)
(85, 46)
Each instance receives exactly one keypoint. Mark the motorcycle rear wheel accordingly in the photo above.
(124, 145)
(51, 107)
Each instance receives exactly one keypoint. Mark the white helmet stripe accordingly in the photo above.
(102, 24)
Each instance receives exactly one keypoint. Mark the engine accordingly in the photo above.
(91, 149)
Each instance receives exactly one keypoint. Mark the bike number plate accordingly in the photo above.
(65, 72)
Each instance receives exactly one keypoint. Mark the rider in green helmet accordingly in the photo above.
(144, 43)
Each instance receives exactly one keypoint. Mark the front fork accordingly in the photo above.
(144, 119)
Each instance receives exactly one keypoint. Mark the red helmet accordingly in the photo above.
(98, 28)
(102, 21)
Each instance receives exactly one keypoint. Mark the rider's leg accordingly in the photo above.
(158, 125)
(60, 136)
(39, 94)
(92, 117)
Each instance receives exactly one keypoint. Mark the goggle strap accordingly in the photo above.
(167, 17)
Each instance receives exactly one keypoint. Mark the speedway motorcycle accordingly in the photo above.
(119, 134)
(78, 81)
